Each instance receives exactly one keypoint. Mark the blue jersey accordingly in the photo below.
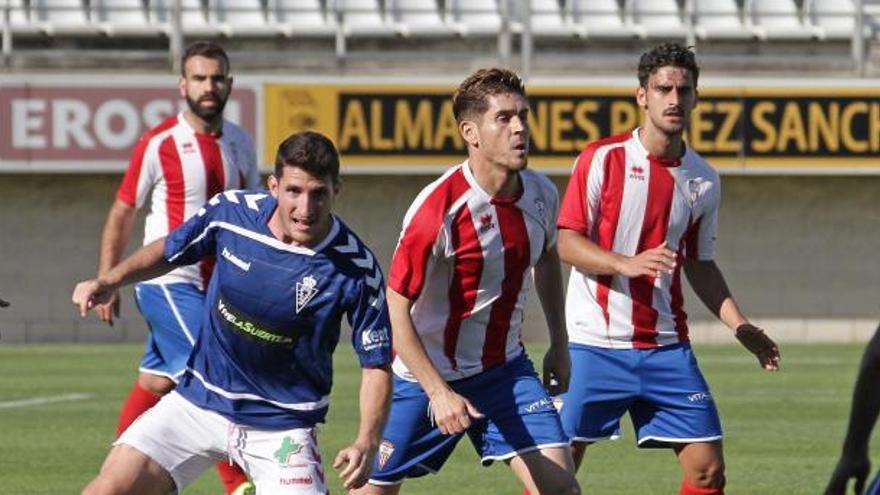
(273, 312)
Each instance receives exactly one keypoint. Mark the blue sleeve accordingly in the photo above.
(369, 321)
(195, 238)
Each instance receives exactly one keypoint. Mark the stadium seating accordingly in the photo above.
(835, 18)
(124, 18)
(63, 17)
(657, 18)
(778, 19)
(419, 18)
(302, 18)
(601, 19)
(476, 17)
(719, 19)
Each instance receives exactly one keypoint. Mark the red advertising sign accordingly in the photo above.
(91, 127)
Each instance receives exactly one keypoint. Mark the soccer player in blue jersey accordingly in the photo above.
(259, 377)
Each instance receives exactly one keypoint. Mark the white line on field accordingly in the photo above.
(37, 401)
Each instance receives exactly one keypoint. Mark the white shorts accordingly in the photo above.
(186, 440)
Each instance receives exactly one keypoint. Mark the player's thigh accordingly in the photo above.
(130, 471)
(602, 388)
(412, 445)
(181, 438)
(676, 405)
(546, 471)
(284, 462)
(519, 414)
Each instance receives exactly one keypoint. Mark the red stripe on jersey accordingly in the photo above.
(655, 224)
(215, 182)
(517, 254)
(573, 210)
(215, 176)
(465, 279)
(676, 297)
(410, 260)
(127, 192)
(172, 170)
(612, 198)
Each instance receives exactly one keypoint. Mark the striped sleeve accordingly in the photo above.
(419, 240)
(195, 238)
(139, 175)
(573, 212)
(707, 226)
(368, 318)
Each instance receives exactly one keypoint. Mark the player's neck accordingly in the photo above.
(202, 126)
(495, 180)
(661, 144)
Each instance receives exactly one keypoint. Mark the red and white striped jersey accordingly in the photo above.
(627, 201)
(464, 258)
(183, 169)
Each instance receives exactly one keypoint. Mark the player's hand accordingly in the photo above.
(88, 294)
(755, 340)
(356, 462)
(452, 413)
(557, 370)
(106, 312)
(649, 263)
(849, 467)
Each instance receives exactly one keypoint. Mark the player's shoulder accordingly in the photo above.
(605, 143)
(538, 181)
(700, 165)
(235, 132)
(439, 196)
(238, 205)
(351, 254)
(161, 129)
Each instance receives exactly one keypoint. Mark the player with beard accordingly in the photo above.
(176, 167)
(639, 207)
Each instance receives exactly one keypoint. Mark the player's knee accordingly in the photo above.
(561, 485)
(158, 385)
(709, 475)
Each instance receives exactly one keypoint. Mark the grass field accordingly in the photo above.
(782, 431)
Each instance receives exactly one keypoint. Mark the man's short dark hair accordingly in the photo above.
(205, 49)
(667, 55)
(310, 151)
(471, 99)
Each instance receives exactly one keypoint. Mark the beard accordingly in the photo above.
(207, 114)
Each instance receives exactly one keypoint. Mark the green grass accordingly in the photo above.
(782, 430)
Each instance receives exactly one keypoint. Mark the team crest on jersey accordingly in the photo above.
(486, 223)
(695, 189)
(305, 291)
(541, 208)
(386, 448)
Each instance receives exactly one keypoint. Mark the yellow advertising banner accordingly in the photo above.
(411, 128)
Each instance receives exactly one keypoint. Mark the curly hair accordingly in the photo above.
(667, 55)
(470, 99)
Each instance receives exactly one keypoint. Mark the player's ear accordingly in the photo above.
(468, 131)
(181, 85)
(642, 97)
(272, 182)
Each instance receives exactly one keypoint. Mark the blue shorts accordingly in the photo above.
(874, 487)
(174, 313)
(666, 395)
(519, 417)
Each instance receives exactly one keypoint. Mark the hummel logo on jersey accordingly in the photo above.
(486, 223)
(305, 291)
(235, 260)
(637, 172)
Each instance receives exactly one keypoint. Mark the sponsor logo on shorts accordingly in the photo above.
(289, 448)
(249, 328)
(538, 405)
(375, 338)
(699, 397)
(386, 448)
(296, 480)
(305, 291)
(235, 260)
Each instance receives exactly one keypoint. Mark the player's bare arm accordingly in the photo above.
(548, 285)
(854, 462)
(576, 250)
(114, 239)
(356, 460)
(452, 412)
(708, 283)
(146, 263)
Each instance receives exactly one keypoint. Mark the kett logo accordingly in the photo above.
(637, 173)
(486, 223)
(305, 291)
(289, 448)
